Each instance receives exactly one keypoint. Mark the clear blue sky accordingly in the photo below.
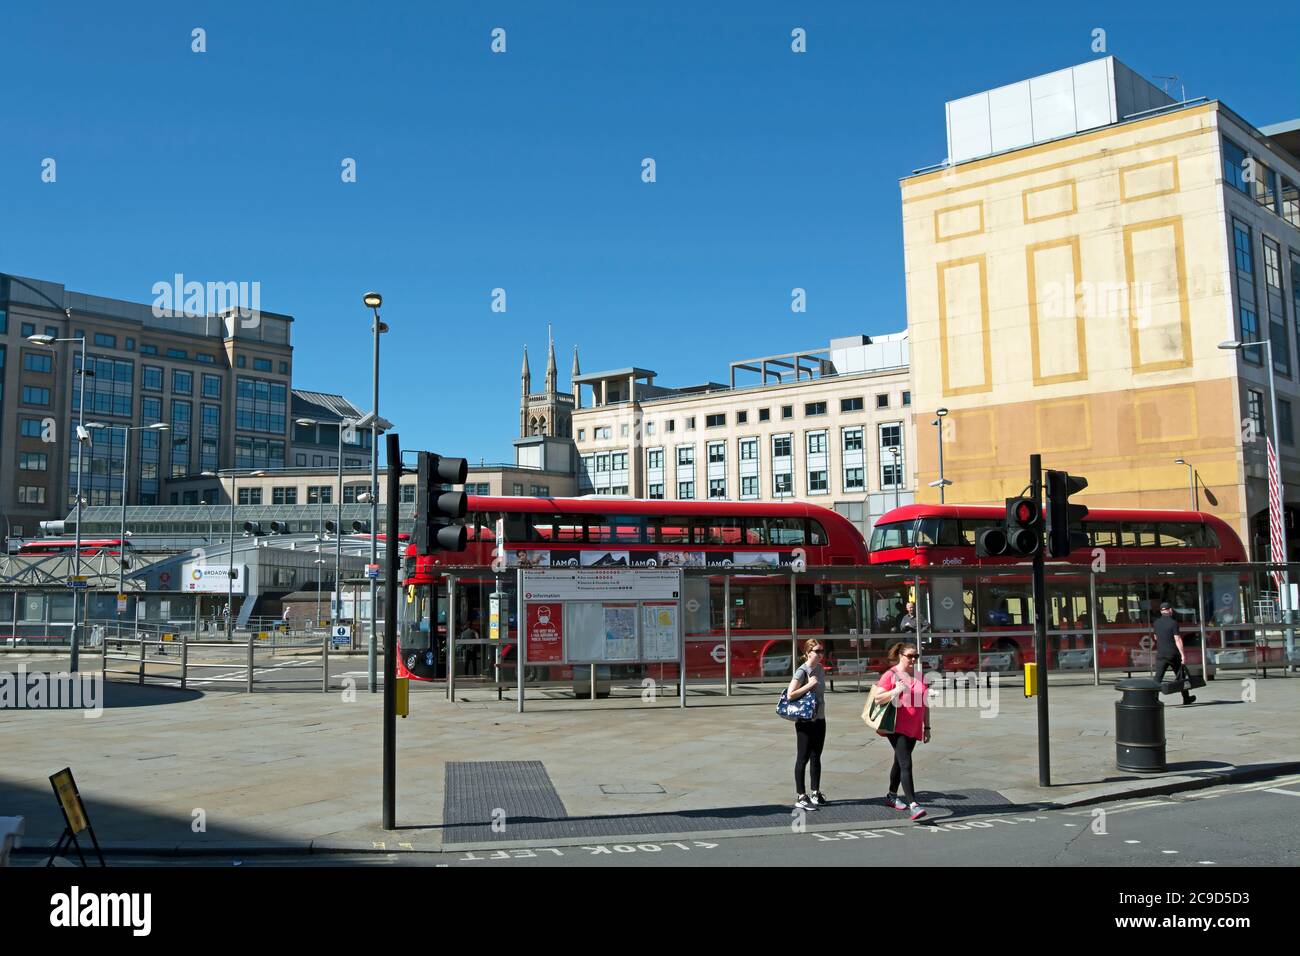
(522, 171)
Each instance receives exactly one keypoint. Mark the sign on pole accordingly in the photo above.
(340, 636)
(372, 571)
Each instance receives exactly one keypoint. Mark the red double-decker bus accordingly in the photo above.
(627, 533)
(89, 546)
(1000, 605)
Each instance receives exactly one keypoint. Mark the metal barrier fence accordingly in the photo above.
(176, 668)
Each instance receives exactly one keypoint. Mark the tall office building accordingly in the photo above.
(1072, 269)
(221, 385)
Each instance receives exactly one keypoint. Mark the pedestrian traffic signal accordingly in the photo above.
(1064, 531)
(435, 507)
(991, 542)
(1024, 527)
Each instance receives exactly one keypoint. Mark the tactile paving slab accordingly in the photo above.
(531, 809)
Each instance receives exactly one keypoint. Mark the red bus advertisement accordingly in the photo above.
(590, 532)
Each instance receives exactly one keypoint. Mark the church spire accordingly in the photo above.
(573, 380)
(526, 376)
(552, 374)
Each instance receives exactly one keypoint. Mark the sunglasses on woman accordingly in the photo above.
(910, 657)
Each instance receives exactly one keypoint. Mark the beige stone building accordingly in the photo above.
(830, 426)
(1071, 273)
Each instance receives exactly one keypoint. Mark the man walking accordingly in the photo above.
(1169, 649)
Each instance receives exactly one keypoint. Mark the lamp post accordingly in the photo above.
(373, 300)
(1191, 483)
(336, 610)
(234, 477)
(126, 470)
(942, 482)
(1275, 476)
(82, 436)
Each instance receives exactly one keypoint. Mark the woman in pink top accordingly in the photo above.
(912, 723)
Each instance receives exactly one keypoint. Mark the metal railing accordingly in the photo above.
(175, 669)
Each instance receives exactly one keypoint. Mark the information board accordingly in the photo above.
(595, 584)
(659, 631)
(545, 632)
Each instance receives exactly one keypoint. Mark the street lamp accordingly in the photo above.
(942, 482)
(82, 437)
(234, 477)
(336, 608)
(1191, 482)
(1233, 345)
(373, 300)
(126, 469)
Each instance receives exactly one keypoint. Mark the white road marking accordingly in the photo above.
(1207, 863)
(1289, 793)
(1132, 841)
(1171, 852)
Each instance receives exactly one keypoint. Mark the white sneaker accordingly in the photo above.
(894, 803)
(803, 803)
(818, 798)
(918, 812)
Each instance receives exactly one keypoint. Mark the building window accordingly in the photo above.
(28, 329)
(685, 490)
(907, 399)
(782, 483)
(260, 405)
(250, 496)
(882, 401)
(715, 421)
(618, 461)
(649, 428)
(1284, 426)
(717, 453)
(148, 349)
(282, 495)
(320, 494)
(749, 486)
(284, 368)
(258, 452)
(210, 438)
(602, 463)
(211, 386)
(105, 341)
(622, 431)
(742, 418)
(787, 411)
(262, 365)
(817, 482)
(1234, 167)
(517, 489)
(686, 455)
(408, 494)
(38, 362)
(300, 459)
(892, 466)
(717, 487)
(241, 361)
(851, 404)
(1265, 190)
(539, 491)
(318, 461)
(33, 461)
(672, 424)
(31, 495)
(654, 458)
(781, 446)
(656, 492)
(764, 414)
(816, 443)
(748, 449)
(1247, 315)
(178, 354)
(853, 439)
(1255, 409)
(582, 434)
(130, 344)
(1290, 203)
(690, 423)
(182, 418)
(854, 479)
(182, 382)
(352, 462)
(151, 378)
(814, 408)
(1279, 335)
(35, 396)
(32, 428)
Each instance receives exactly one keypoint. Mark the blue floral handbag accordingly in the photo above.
(802, 709)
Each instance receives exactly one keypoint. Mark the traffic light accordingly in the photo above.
(1024, 527)
(279, 527)
(434, 506)
(1063, 531)
(330, 527)
(254, 528)
(1019, 535)
(361, 527)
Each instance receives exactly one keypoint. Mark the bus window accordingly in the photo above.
(569, 529)
(785, 532)
(615, 529)
(969, 529)
(668, 529)
(755, 531)
(895, 534)
(1104, 534)
(816, 533)
(517, 527)
(937, 531)
(709, 530)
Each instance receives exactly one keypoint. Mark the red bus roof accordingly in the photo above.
(643, 506)
(911, 512)
(72, 543)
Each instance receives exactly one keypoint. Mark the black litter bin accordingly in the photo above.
(1140, 726)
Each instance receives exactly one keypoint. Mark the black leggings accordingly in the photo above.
(901, 771)
(811, 737)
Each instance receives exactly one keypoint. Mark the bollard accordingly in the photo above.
(1140, 727)
(1031, 680)
(325, 665)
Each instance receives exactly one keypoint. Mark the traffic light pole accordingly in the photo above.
(1040, 631)
(394, 452)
